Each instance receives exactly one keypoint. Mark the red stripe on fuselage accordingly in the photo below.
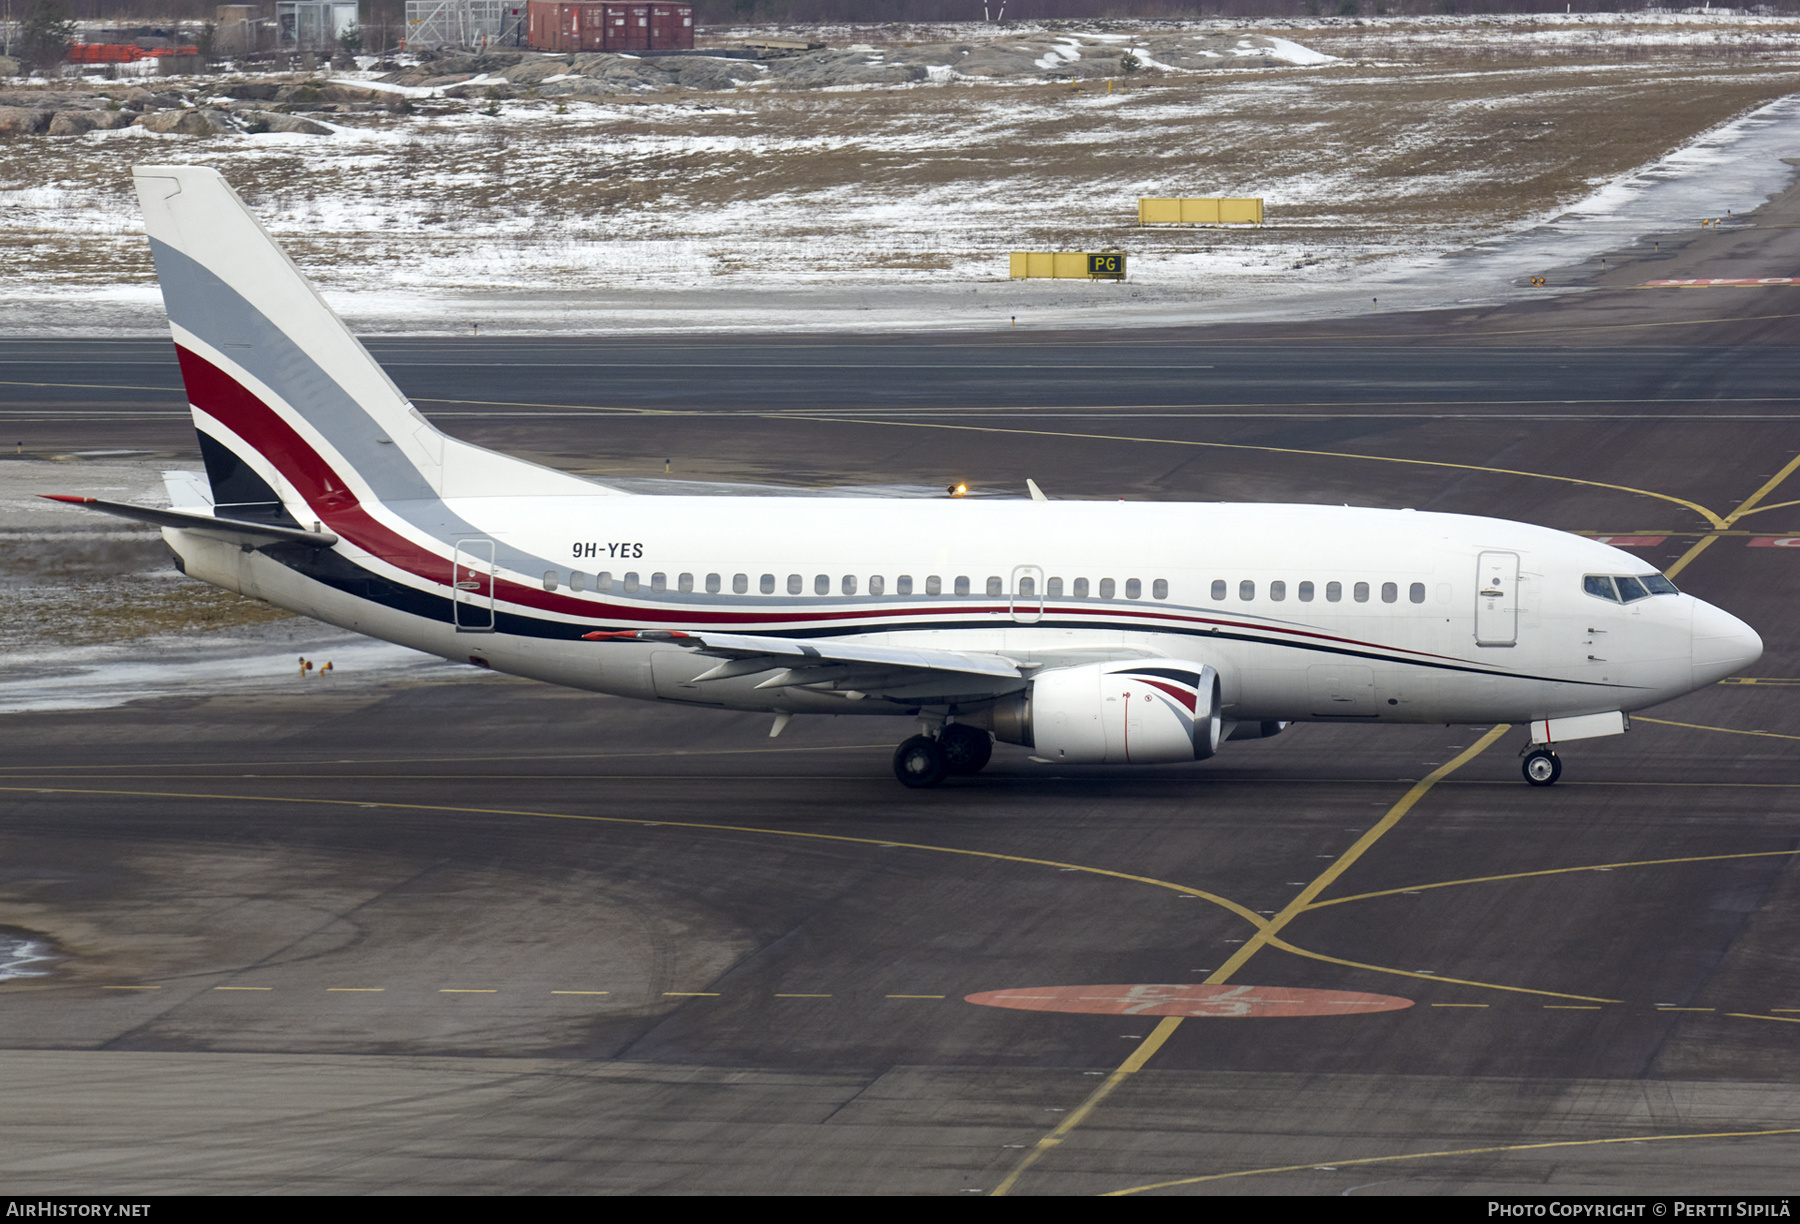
(217, 393)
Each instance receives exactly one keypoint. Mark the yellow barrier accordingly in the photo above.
(1199, 212)
(1066, 265)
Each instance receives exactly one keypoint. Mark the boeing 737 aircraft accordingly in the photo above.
(1134, 633)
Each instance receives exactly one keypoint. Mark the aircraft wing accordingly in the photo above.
(897, 673)
(238, 530)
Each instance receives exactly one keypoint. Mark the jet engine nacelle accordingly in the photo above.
(1138, 711)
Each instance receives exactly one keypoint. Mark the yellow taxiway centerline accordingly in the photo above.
(1265, 934)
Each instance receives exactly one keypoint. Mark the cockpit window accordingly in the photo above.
(1621, 588)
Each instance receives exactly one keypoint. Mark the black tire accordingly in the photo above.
(967, 750)
(1542, 767)
(919, 762)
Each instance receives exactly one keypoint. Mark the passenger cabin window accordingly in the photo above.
(659, 582)
(903, 585)
(631, 581)
(995, 586)
(1278, 590)
(934, 585)
(1218, 588)
(1053, 588)
(767, 585)
(1081, 588)
(712, 584)
(740, 584)
(1360, 592)
(1416, 592)
(1106, 588)
(1133, 589)
(1306, 592)
(685, 583)
(1334, 592)
(1159, 589)
(1027, 587)
(1390, 592)
(877, 584)
(578, 582)
(848, 586)
(795, 584)
(962, 584)
(550, 580)
(1246, 590)
(821, 584)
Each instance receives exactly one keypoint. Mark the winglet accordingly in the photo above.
(1037, 494)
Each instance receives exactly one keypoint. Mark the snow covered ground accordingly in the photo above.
(1428, 161)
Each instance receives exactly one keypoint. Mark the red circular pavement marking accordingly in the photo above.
(1222, 1001)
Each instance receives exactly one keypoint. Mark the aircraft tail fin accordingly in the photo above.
(296, 419)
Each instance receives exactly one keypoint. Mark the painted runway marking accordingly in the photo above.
(1265, 935)
(1197, 1001)
(1484, 1151)
(1550, 871)
(1720, 282)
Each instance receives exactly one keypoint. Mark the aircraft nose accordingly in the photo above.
(1722, 644)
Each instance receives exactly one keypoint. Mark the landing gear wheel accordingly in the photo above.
(966, 749)
(919, 762)
(1542, 767)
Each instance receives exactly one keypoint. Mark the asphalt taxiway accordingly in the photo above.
(475, 934)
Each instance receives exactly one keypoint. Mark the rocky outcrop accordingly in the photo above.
(74, 123)
(708, 73)
(823, 69)
(195, 122)
(23, 121)
(256, 122)
(532, 72)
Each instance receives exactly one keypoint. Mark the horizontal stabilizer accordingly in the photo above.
(253, 534)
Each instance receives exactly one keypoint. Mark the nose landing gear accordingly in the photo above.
(1542, 767)
(958, 749)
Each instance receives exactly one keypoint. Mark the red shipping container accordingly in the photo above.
(671, 27)
(107, 53)
(594, 25)
(627, 27)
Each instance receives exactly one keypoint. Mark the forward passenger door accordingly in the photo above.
(1497, 599)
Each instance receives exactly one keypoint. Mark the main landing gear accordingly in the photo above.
(1542, 767)
(924, 761)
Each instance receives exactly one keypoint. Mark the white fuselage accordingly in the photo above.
(1305, 612)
